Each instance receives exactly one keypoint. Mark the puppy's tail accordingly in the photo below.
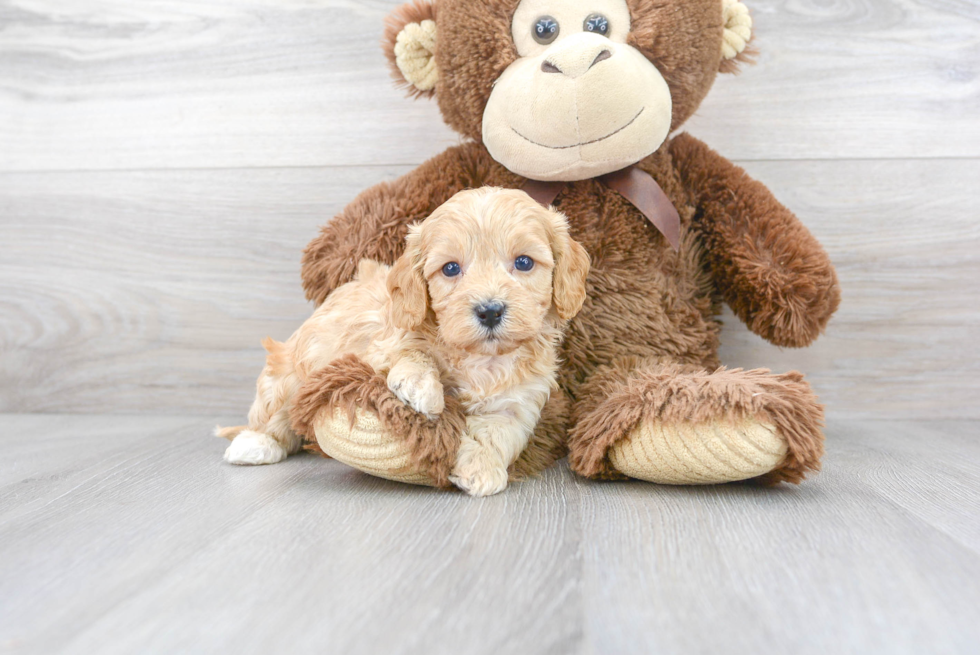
(229, 433)
(276, 360)
(368, 268)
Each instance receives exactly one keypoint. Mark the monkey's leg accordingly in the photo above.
(349, 411)
(674, 424)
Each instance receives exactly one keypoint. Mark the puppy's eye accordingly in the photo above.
(597, 23)
(524, 263)
(545, 30)
(451, 269)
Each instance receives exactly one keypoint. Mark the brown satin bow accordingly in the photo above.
(635, 185)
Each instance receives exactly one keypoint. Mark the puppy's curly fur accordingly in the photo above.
(424, 324)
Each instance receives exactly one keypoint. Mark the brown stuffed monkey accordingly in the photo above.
(575, 101)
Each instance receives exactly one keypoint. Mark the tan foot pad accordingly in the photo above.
(367, 447)
(705, 453)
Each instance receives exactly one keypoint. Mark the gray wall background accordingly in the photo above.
(163, 163)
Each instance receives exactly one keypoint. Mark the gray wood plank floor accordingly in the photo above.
(130, 535)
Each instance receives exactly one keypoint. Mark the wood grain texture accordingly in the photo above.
(129, 534)
(159, 546)
(150, 291)
(822, 568)
(111, 84)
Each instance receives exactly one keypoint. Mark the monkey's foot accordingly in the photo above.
(698, 453)
(672, 424)
(347, 411)
(366, 445)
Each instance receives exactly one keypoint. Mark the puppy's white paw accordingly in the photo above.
(478, 472)
(251, 448)
(418, 388)
(485, 482)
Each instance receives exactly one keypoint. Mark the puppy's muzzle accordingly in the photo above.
(490, 314)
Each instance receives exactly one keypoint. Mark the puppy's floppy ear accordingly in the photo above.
(571, 270)
(406, 285)
(410, 45)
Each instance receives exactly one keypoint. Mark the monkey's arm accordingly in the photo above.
(374, 225)
(768, 267)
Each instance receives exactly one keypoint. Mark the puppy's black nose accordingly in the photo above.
(490, 314)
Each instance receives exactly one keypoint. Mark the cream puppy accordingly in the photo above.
(475, 307)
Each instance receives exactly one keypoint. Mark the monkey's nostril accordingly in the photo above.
(604, 55)
(548, 67)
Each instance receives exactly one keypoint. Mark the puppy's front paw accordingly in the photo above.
(252, 448)
(418, 388)
(477, 473)
(486, 482)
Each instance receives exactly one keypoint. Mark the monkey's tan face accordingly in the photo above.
(579, 102)
(488, 266)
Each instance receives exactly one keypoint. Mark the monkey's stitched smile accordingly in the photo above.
(584, 143)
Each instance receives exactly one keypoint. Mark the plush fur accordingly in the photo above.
(644, 347)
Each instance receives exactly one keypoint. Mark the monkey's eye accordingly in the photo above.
(597, 23)
(545, 30)
(524, 263)
(451, 269)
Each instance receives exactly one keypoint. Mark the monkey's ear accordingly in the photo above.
(410, 45)
(737, 34)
